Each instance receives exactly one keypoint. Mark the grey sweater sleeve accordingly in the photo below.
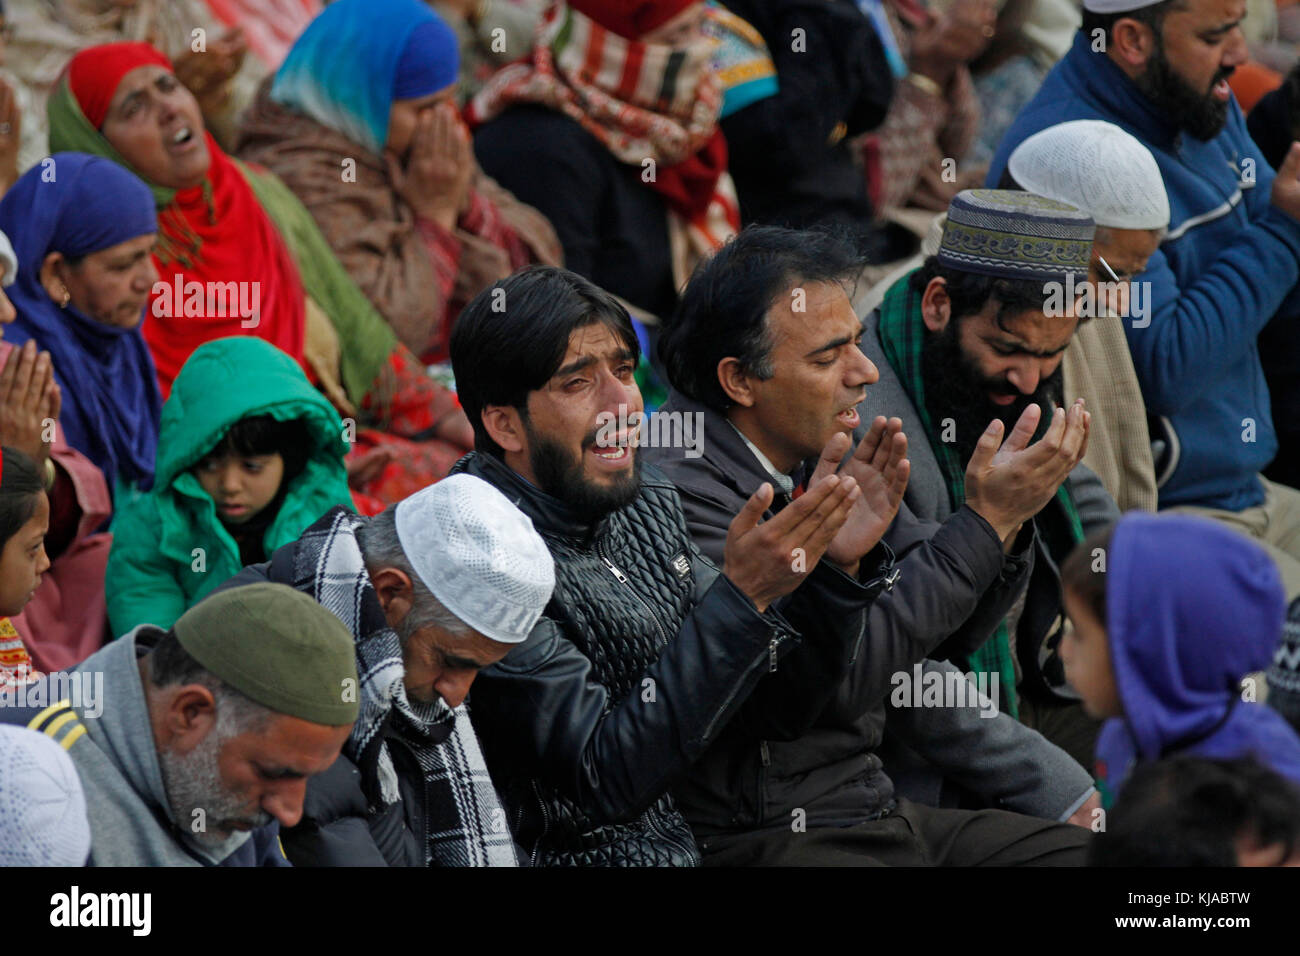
(1091, 499)
(1011, 766)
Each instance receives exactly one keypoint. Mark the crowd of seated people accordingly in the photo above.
(648, 433)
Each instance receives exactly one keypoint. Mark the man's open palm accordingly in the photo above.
(880, 468)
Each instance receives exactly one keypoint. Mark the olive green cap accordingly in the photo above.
(277, 647)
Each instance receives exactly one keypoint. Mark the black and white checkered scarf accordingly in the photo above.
(466, 822)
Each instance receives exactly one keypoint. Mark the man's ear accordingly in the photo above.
(735, 382)
(395, 593)
(188, 715)
(505, 426)
(936, 307)
(51, 276)
(1132, 44)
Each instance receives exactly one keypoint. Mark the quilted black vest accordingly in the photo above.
(620, 597)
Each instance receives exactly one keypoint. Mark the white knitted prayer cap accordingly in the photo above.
(42, 807)
(1097, 167)
(479, 555)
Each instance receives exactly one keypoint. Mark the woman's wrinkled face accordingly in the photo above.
(156, 124)
(111, 286)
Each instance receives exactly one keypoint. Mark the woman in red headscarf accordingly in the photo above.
(239, 255)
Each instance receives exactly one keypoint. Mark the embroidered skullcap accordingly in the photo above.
(1016, 235)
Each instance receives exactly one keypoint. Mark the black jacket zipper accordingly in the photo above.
(623, 579)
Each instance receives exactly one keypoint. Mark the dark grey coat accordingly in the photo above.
(955, 585)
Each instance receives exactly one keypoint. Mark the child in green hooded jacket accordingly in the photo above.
(249, 455)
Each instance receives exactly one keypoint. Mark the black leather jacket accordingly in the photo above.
(643, 655)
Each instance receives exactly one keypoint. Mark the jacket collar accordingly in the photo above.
(549, 515)
(726, 448)
(1113, 93)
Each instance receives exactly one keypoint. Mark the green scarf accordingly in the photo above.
(902, 335)
(365, 339)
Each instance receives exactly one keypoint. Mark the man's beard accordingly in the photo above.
(560, 475)
(955, 389)
(1198, 113)
(193, 782)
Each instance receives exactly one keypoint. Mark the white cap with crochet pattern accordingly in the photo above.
(1097, 167)
(42, 807)
(479, 555)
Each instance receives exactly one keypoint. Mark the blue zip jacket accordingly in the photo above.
(1225, 268)
(1191, 608)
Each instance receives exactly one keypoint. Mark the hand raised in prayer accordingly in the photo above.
(768, 560)
(435, 179)
(207, 73)
(28, 397)
(1286, 185)
(880, 467)
(957, 37)
(1007, 483)
(11, 121)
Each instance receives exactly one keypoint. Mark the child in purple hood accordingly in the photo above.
(1170, 613)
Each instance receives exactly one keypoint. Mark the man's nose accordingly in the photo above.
(1236, 52)
(285, 802)
(453, 686)
(863, 371)
(1024, 377)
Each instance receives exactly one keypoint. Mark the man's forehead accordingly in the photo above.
(1211, 12)
(1032, 329)
(596, 340)
(812, 314)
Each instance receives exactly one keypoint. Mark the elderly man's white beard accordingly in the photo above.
(199, 802)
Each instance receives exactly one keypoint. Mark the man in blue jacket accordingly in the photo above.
(1228, 264)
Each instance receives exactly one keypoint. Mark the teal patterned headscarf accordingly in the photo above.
(358, 56)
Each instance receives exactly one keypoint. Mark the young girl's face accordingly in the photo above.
(240, 485)
(23, 560)
(1085, 651)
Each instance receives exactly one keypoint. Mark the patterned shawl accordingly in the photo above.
(902, 335)
(643, 102)
(465, 820)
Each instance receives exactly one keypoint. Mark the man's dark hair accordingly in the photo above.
(265, 435)
(512, 337)
(20, 489)
(723, 309)
(1152, 16)
(970, 292)
(1078, 577)
(1190, 811)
